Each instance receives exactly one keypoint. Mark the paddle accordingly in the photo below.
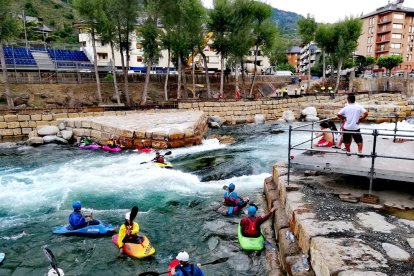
(134, 212)
(51, 259)
(167, 153)
(153, 273)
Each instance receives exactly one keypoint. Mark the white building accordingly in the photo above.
(308, 57)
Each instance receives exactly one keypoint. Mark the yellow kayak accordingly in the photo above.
(166, 165)
(137, 250)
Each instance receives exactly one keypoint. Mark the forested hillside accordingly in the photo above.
(286, 21)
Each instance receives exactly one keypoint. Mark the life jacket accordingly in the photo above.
(230, 200)
(181, 268)
(76, 220)
(252, 228)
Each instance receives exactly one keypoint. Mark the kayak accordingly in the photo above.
(137, 250)
(250, 244)
(116, 149)
(2, 256)
(166, 165)
(229, 210)
(90, 146)
(144, 150)
(94, 230)
(173, 264)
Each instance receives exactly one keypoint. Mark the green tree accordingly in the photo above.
(324, 37)
(307, 29)
(220, 23)
(347, 33)
(7, 29)
(389, 62)
(124, 15)
(277, 54)
(150, 43)
(90, 11)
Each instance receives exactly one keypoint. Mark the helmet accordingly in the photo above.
(157, 153)
(232, 186)
(183, 256)
(52, 272)
(128, 215)
(251, 210)
(76, 205)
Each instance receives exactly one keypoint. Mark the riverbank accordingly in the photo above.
(340, 237)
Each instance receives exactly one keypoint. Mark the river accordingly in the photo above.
(177, 207)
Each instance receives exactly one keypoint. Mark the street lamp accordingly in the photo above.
(312, 50)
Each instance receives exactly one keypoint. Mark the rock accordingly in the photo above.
(33, 133)
(280, 120)
(309, 112)
(212, 243)
(62, 125)
(375, 221)
(35, 141)
(216, 119)
(20, 101)
(311, 119)
(47, 130)
(259, 119)
(54, 139)
(226, 139)
(360, 273)
(21, 106)
(407, 222)
(214, 125)
(411, 242)
(329, 256)
(288, 116)
(396, 253)
(67, 134)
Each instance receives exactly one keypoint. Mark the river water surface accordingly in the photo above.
(177, 207)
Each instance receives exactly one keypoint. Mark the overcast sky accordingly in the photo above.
(327, 11)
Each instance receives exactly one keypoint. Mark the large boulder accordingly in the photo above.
(310, 111)
(48, 130)
(288, 116)
(66, 134)
(214, 125)
(259, 119)
(54, 139)
(396, 253)
(311, 119)
(35, 141)
(62, 125)
(216, 119)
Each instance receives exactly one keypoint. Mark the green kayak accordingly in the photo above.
(251, 244)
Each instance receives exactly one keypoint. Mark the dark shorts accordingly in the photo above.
(348, 137)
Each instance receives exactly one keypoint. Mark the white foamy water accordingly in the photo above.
(121, 176)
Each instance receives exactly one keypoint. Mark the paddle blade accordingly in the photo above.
(225, 187)
(219, 261)
(51, 258)
(168, 153)
(134, 212)
(150, 273)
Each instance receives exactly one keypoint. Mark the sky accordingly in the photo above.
(327, 11)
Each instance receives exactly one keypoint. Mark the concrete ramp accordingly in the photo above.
(159, 129)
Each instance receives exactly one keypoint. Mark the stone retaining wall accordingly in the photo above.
(243, 111)
(17, 127)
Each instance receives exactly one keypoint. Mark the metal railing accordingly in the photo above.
(375, 133)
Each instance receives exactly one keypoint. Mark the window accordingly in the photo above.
(102, 56)
(139, 58)
(397, 36)
(396, 45)
(398, 16)
(397, 26)
(371, 30)
(370, 40)
(410, 48)
(409, 57)
(369, 49)
(372, 21)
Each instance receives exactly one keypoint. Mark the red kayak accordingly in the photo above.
(145, 150)
(173, 264)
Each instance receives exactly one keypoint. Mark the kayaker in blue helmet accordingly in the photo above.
(251, 224)
(185, 268)
(77, 220)
(232, 199)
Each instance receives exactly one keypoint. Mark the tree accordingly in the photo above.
(150, 43)
(107, 32)
(324, 37)
(389, 62)
(90, 11)
(7, 29)
(307, 28)
(220, 23)
(346, 34)
(264, 32)
(277, 54)
(124, 15)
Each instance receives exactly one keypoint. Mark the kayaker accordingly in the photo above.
(185, 268)
(77, 220)
(112, 143)
(251, 225)
(159, 158)
(128, 233)
(232, 199)
(86, 141)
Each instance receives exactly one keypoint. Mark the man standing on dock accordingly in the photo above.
(353, 114)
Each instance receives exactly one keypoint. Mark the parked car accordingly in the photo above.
(398, 74)
(411, 74)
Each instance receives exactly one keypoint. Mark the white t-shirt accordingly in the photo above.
(352, 112)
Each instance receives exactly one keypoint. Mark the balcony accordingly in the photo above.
(384, 21)
(383, 31)
(382, 50)
(379, 41)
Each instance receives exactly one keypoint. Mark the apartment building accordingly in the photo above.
(293, 56)
(308, 57)
(389, 30)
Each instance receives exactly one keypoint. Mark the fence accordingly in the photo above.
(374, 154)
